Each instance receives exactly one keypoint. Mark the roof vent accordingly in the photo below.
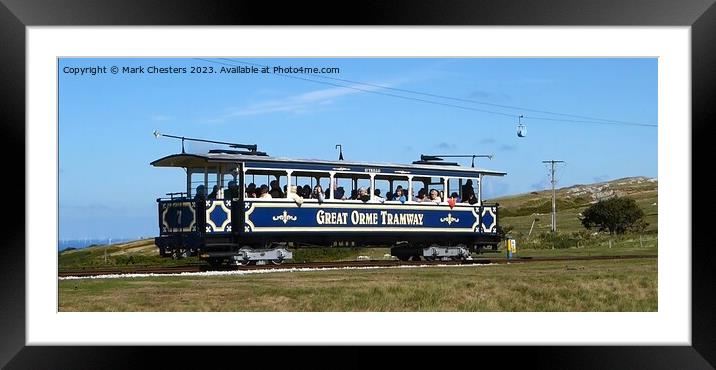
(438, 159)
(240, 152)
(435, 160)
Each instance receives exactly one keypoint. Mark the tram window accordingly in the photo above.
(363, 183)
(341, 188)
(306, 182)
(420, 188)
(324, 183)
(454, 189)
(383, 188)
(230, 184)
(197, 179)
(276, 181)
(423, 186)
(350, 183)
(387, 191)
(278, 186)
(301, 182)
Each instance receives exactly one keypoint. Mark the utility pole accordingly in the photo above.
(554, 195)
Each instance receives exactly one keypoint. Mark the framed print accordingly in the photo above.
(47, 45)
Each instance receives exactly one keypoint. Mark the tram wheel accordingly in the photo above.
(277, 262)
(416, 258)
(430, 258)
(403, 257)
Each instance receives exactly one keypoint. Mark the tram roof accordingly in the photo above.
(213, 160)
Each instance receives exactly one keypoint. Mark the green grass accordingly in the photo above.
(619, 247)
(608, 285)
(614, 243)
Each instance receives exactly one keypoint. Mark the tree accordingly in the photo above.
(616, 215)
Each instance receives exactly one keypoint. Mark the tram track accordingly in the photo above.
(326, 265)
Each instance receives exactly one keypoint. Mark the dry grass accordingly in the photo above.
(626, 285)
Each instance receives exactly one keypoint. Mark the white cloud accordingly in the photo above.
(300, 103)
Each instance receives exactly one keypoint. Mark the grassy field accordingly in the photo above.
(608, 285)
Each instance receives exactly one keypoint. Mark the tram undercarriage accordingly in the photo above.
(225, 252)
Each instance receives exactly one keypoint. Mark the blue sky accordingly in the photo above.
(108, 188)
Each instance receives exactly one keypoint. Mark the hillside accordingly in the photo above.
(135, 252)
(520, 210)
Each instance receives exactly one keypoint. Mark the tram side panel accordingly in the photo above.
(368, 223)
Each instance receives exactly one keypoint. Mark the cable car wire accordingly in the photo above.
(463, 99)
(434, 102)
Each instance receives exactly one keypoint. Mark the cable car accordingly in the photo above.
(521, 129)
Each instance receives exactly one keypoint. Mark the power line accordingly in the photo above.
(588, 119)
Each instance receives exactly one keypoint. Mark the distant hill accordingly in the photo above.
(83, 243)
(520, 210)
(135, 252)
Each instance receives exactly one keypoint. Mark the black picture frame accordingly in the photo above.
(16, 15)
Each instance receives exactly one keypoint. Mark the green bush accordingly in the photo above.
(616, 215)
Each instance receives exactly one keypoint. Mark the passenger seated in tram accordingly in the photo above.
(214, 192)
(293, 194)
(434, 196)
(251, 191)
(377, 197)
(306, 193)
(422, 196)
(394, 196)
(388, 196)
(362, 194)
(340, 193)
(452, 200)
(399, 195)
(455, 196)
(264, 192)
(318, 194)
(467, 191)
(200, 192)
(276, 191)
(233, 191)
(472, 199)
(354, 194)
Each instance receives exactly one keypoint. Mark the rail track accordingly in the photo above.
(320, 265)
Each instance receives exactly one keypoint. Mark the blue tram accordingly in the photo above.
(429, 209)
